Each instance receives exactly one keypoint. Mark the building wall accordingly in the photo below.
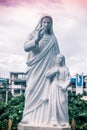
(17, 83)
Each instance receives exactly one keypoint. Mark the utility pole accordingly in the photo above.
(7, 89)
(6, 100)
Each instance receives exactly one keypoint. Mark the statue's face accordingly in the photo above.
(59, 60)
(46, 23)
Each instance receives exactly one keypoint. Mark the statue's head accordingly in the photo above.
(60, 59)
(45, 21)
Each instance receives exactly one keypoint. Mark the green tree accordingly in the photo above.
(78, 111)
(14, 110)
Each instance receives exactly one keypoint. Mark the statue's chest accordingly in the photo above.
(44, 41)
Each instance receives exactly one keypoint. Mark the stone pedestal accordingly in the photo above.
(36, 127)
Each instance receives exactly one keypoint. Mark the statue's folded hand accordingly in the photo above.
(64, 88)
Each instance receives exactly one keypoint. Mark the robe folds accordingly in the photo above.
(58, 97)
(41, 58)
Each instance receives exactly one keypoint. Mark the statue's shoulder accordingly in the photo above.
(67, 71)
(53, 36)
(66, 68)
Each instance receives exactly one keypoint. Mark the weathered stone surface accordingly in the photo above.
(30, 127)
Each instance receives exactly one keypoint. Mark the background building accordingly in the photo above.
(4, 89)
(79, 84)
(17, 83)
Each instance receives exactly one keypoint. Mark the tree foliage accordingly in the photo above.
(14, 110)
(78, 111)
(3, 89)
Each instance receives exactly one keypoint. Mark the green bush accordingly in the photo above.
(14, 110)
(78, 111)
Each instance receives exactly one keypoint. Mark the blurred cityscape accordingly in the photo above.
(16, 84)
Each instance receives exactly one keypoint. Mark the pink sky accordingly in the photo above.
(13, 3)
(71, 6)
(17, 2)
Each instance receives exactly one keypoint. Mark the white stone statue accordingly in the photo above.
(42, 48)
(58, 94)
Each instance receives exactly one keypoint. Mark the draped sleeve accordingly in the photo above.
(57, 46)
(30, 44)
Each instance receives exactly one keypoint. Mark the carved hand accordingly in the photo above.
(39, 35)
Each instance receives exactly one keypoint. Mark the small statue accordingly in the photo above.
(58, 94)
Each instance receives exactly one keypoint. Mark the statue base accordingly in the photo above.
(37, 127)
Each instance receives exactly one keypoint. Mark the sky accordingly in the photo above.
(18, 18)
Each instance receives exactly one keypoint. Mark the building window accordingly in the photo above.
(16, 91)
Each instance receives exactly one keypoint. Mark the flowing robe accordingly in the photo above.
(58, 97)
(41, 58)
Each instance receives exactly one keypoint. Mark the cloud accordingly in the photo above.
(76, 39)
(77, 64)
(19, 19)
(71, 34)
(10, 63)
